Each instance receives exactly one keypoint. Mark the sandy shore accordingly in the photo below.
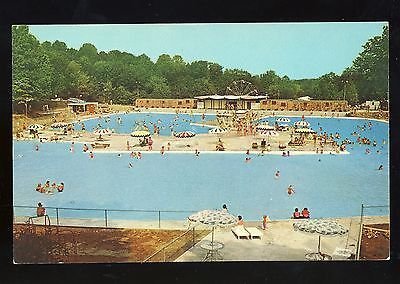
(205, 143)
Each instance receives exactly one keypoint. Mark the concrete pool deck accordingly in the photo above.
(278, 243)
(281, 243)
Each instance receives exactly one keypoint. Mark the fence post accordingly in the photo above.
(159, 219)
(58, 223)
(193, 239)
(164, 253)
(105, 217)
(360, 233)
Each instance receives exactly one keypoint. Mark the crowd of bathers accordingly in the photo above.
(50, 189)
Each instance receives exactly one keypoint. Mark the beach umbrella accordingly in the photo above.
(321, 227)
(270, 133)
(184, 134)
(217, 130)
(102, 131)
(302, 124)
(304, 130)
(140, 133)
(264, 126)
(35, 127)
(57, 125)
(283, 119)
(213, 219)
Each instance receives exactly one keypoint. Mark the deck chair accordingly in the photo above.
(254, 232)
(240, 232)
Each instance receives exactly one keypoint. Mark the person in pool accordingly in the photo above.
(60, 188)
(224, 208)
(39, 188)
(290, 190)
(277, 174)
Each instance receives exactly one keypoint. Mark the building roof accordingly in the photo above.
(231, 97)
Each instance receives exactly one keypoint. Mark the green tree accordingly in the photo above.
(370, 69)
(30, 63)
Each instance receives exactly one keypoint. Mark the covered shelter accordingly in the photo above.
(230, 102)
(77, 105)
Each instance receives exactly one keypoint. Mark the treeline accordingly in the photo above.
(48, 70)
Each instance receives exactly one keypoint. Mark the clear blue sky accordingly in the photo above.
(298, 50)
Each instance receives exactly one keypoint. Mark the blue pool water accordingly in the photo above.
(166, 122)
(335, 186)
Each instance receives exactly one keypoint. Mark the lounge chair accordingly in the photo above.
(254, 232)
(240, 232)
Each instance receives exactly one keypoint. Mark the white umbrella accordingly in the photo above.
(283, 119)
(59, 125)
(302, 124)
(320, 227)
(35, 127)
(184, 134)
(213, 218)
(102, 131)
(217, 130)
(304, 130)
(265, 126)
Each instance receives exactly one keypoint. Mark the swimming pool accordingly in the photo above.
(329, 185)
(125, 123)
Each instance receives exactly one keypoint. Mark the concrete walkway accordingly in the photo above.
(280, 242)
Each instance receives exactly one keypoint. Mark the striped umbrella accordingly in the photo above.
(283, 119)
(59, 125)
(270, 133)
(102, 131)
(302, 124)
(140, 133)
(217, 130)
(35, 127)
(184, 134)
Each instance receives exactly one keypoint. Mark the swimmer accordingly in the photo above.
(162, 150)
(85, 148)
(139, 155)
(380, 168)
(60, 188)
(91, 155)
(119, 155)
(277, 174)
(290, 190)
(37, 147)
(39, 187)
(133, 155)
(197, 153)
(71, 149)
(248, 159)
(130, 165)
